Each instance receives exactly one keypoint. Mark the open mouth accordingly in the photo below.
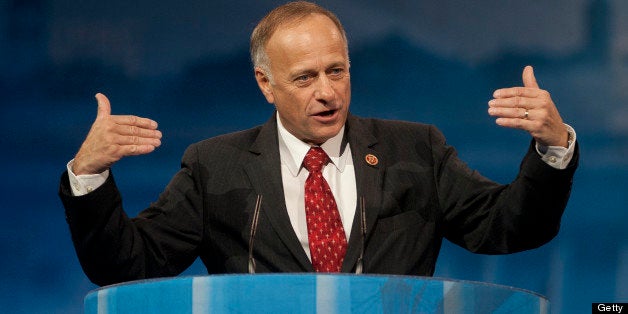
(326, 113)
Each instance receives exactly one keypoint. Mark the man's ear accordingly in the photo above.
(263, 82)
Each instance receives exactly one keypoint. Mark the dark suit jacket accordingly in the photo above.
(418, 194)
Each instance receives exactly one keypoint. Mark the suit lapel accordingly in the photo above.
(368, 177)
(265, 175)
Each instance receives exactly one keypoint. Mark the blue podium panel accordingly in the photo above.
(309, 293)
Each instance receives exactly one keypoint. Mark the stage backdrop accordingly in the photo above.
(185, 64)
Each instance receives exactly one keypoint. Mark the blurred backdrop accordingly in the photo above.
(185, 64)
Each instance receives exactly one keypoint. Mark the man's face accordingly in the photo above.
(310, 68)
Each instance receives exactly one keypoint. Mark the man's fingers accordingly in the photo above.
(529, 108)
(104, 111)
(517, 123)
(135, 121)
(514, 102)
(528, 77)
(509, 113)
(530, 87)
(134, 130)
(136, 140)
(134, 150)
(104, 107)
(526, 92)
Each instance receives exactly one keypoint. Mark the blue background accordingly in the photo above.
(185, 64)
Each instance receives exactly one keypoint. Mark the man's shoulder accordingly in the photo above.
(384, 127)
(391, 122)
(232, 144)
(239, 138)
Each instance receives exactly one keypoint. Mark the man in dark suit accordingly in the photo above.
(240, 201)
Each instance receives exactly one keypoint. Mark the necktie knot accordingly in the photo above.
(315, 159)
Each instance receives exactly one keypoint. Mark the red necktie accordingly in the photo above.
(326, 235)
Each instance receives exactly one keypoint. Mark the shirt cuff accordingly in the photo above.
(85, 183)
(558, 157)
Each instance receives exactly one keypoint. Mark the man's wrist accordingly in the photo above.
(85, 183)
(558, 156)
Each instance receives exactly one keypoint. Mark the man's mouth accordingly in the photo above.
(327, 116)
(326, 113)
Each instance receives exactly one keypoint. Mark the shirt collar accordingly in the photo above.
(292, 150)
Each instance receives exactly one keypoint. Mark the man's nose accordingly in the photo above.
(324, 89)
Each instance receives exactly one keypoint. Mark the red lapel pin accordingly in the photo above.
(371, 159)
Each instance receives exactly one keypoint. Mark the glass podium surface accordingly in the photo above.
(311, 293)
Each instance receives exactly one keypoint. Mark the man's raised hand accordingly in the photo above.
(112, 137)
(529, 108)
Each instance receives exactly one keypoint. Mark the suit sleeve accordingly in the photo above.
(161, 241)
(485, 217)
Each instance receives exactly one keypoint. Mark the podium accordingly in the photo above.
(311, 293)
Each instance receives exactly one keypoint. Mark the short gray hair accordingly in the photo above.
(287, 13)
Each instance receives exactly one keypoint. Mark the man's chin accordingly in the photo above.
(322, 137)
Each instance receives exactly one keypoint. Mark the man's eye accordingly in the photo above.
(336, 72)
(303, 78)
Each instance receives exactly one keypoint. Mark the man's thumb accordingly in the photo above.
(528, 77)
(104, 108)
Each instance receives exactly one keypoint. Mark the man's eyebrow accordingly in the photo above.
(337, 64)
(301, 71)
(309, 70)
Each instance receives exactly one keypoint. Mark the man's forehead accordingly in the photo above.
(304, 28)
(305, 50)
